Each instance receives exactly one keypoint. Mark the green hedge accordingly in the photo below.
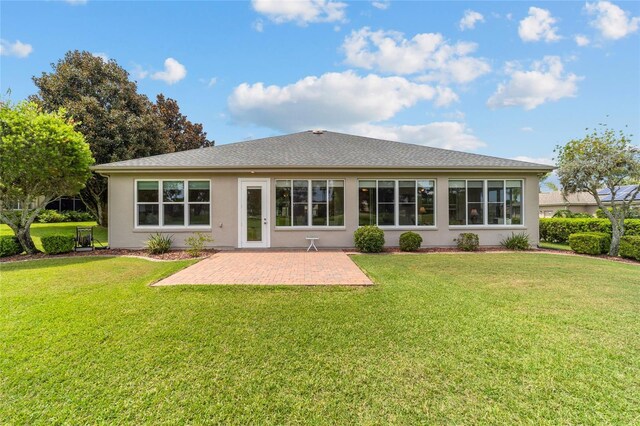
(56, 244)
(590, 242)
(558, 230)
(9, 246)
(630, 247)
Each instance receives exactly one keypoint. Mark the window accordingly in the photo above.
(396, 202)
(485, 202)
(309, 202)
(173, 203)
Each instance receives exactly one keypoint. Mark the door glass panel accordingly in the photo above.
(254, 213)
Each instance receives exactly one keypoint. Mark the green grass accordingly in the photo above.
(554, 246)
(483, 338)
(39, 230)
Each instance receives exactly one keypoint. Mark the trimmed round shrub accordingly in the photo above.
(410, 241)
(10, 246)
(57, 244)
(468, 241)
(630, 247)
(369, 239)
(590, 242)
(518, 241)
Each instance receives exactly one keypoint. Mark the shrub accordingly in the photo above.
(468, 241)
(410, 241)
(517, 241)
(56, 244)
(633, 213)
(50, 216)
(558, 230)
(630, 247)
(9, 246)
(196, 243)
(73, 216)
(563, 213)
(590, 242)
(159, 243)
(369, 239)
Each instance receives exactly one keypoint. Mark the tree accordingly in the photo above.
(43, 158)
(116, 121)
(602, 159)
(181, 133)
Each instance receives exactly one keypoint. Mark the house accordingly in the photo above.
(579, 202)
(275, 192)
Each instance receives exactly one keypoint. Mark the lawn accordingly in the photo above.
(442, 338)
(39, 230)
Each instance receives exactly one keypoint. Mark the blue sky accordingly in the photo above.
(511, 79)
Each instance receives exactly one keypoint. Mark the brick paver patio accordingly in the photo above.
(272, 267)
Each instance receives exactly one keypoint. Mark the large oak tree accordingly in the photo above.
(118, 122)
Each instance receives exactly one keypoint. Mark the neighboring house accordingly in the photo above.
(67, 204)
(275, 192)
(579, 202)
(623, 193)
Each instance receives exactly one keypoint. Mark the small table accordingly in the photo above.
(312, 242)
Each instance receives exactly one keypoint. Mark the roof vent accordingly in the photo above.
(317, 132)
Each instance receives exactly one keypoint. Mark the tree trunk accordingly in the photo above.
(24, 236)
(617, 231)
(94, 196)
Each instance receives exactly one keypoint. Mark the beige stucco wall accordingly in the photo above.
(549, 210)
(224, 219)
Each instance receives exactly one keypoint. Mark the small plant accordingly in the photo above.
(57, 244)
(9, 246)
(75, 216)
(590, 242)
(159, 243)
(410, 241)
(630, 247)
(517, 241)
(369, 239)
(468, 241)
(196, 243)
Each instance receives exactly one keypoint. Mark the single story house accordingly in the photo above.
(275, 192)
(578, 202)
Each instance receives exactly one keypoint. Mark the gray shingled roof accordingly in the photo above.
(557, 199)
(324, 150)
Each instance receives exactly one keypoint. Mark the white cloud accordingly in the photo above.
(527, 129)
(381, 4)
(469, 20)
(76, 2)
(302, 12)
(17, 48)
(581, 40)
(173, 72)
(612, 22)
(101, 55)
(258, 25)
(545, 82)
(139, 72)
(538, 26)
(212, 82)
(330, 101)
(538, 160)
(390, 52)
(441, 134)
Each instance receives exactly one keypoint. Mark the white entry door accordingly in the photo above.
(254, 213)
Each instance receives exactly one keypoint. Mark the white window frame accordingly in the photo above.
(396, 203)
(309, 205)
(485, 205)
(161, 204)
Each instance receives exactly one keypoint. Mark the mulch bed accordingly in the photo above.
(171, 255)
